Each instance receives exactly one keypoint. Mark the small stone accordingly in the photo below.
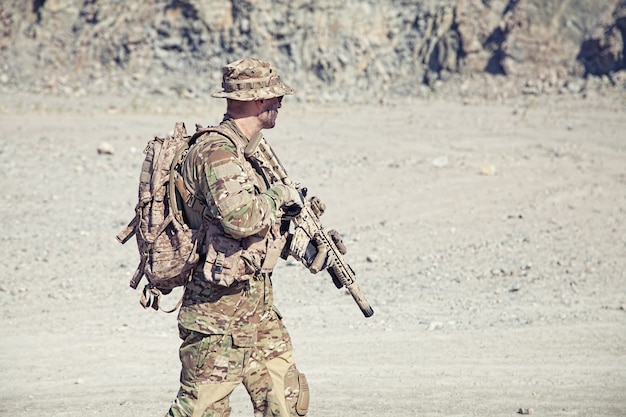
(105, 148)
(435, 325)
(574, 86)
(440, 162)
(488, 170)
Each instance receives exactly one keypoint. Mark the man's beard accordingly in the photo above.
(270, 121)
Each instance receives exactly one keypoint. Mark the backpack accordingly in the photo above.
(168, 248)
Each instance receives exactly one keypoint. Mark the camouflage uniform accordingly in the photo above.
(231, 330)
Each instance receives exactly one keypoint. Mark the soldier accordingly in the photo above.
(232, 333)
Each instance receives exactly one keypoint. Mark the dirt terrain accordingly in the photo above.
(489, 237)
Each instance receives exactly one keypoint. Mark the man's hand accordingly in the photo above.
(291, 197)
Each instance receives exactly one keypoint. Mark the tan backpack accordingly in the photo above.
(168, 248)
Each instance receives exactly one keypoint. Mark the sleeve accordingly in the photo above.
(231, 194)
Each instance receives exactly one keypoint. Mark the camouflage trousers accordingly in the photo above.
(214, 365)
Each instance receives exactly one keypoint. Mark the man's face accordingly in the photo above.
(269, 112)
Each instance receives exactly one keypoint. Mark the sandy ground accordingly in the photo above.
(489, 238)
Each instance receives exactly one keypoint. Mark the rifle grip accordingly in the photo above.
(320, 257)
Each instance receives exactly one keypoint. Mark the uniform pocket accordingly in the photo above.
(223, 264)
(196, 358)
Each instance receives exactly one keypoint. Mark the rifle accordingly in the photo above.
(308, 241)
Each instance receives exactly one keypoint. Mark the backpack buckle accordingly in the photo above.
(219, 262)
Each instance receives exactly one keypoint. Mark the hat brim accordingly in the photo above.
(277, 90)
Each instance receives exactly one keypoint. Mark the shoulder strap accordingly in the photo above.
(217, 129)
(176, 181)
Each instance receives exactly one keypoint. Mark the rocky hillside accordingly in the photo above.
(337, 50)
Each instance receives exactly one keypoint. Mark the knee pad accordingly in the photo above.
(302, 405)
(296, 392)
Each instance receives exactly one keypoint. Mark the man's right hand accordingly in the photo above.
(291, 197)
(292, 202)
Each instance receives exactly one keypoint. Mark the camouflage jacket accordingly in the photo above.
(244, 214)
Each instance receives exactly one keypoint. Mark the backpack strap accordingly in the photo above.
(128, 232)
(176, 181)
(151, 297)
(217, 129)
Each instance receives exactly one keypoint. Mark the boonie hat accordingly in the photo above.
(251, 79)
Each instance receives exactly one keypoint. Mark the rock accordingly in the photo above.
(602, 51)
(105, 148)
(574, 86)
(371, 258)
(390, 50)
(487, 170)
(441, 161)
(435, 325)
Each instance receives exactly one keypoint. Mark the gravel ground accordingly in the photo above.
(488, 236)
